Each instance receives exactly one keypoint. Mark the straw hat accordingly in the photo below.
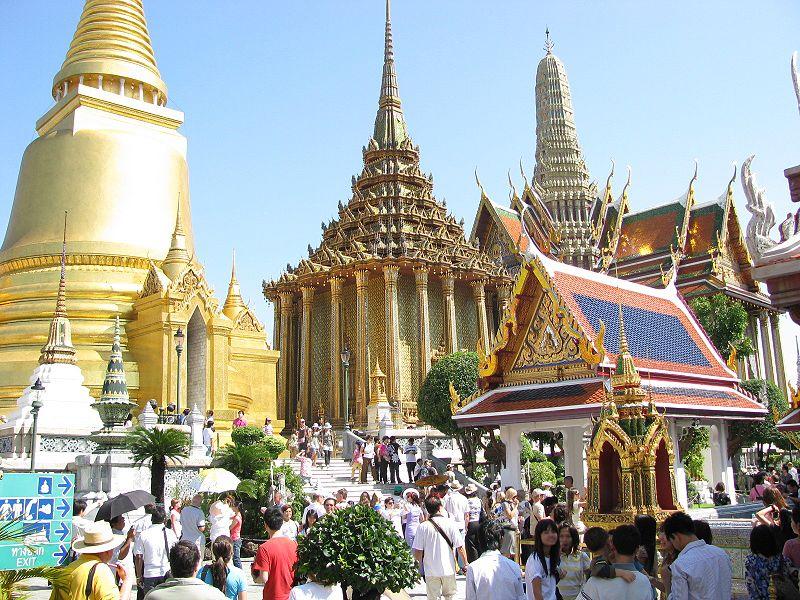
(97, 537)
(455, 486)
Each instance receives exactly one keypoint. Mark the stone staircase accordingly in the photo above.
(337, 476)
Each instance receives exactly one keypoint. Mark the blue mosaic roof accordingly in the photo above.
(651, 335)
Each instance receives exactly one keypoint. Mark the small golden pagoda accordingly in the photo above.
(630, 457)
(109, 151)
(394, 278)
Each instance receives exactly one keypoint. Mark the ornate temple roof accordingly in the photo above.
(392, 214)
(562, 338)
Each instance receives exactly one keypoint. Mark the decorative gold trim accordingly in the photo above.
(46, 261)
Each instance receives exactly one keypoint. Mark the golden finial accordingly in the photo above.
(513, 187)
(61, 299)
(548, 43)
(59, 348)
(610, 175)
(522, 172)
(178, 257)
(480, 186)
(623, 339)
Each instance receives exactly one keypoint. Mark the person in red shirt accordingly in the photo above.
(275, 559)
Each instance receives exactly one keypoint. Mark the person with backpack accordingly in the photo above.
(83, 579)
(151, 552)
(435, 545)
(221, 574)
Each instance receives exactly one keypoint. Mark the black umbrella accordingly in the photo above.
(124, 503)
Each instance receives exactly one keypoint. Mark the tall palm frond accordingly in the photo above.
(242, 461)
(155, 447)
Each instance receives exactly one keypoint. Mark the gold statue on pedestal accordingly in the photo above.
(631, 456)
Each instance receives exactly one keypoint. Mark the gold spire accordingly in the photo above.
(178, 257)
(58, 348)
(548, 43)
(626, 380)
(390, 125)
(233, 302)
(112, 41)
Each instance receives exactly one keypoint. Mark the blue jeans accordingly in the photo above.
(237, 553)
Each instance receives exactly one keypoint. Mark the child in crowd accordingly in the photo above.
(305, 467)
(596, 540)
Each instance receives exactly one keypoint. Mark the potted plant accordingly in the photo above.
(358, 549)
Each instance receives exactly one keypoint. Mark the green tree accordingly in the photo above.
(155, 447)
(433, 403)
(692, 447)
(247, 436)
(725, 321)
(242, 461)
(763, 433)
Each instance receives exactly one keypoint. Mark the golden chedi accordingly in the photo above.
(109, 152)
(393, 281)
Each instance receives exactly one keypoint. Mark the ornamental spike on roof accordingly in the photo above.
(115, 386)
(390, 125)
(59, 348)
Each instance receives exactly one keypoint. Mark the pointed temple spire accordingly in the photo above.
(114, 385)
(626, 380)
(112, 46)
(561, 174)
(233, 302)
(178, 256)
(59, 348)
(390, 124)
(548, 43)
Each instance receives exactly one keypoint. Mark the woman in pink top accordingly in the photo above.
(240, 421)
(236, 534)
(757, 491)
(355, 463)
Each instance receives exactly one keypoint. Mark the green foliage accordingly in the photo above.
(433, 404)
(155, 447)
(242, 461)
(528, 453)
(255, 492)
(743, 434)
(696, 442)
(539, 472)
(247, 436)
(725, 321)
(359, 548)
(274, 446)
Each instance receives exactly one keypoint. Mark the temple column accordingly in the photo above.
(335, 393)
(479, 292)
(390, 276)
(766, 347)
(361, 368)
(421, 279)
(721, 467)
(510, 474)
(573, 455)
(450, 333)
(680, 471)
(777, 348)
(758, 367)
(285, 410)
(304, 401)
(276, 323)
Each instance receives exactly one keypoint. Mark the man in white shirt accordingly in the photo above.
(546, 485)
(625, 539)
(151, 552)
(435, 544)
(193, 524)
(457, 505)
(537, 509)
(493, 575)
(411, 458)
(701, 571)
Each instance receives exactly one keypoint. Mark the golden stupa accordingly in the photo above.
(110, 154)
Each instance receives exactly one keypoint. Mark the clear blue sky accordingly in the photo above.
(280, 97)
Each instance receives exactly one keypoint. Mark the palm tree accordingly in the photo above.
(242, 461)
(155, 447)
(10, 588)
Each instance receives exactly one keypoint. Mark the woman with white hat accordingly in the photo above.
(83, 579)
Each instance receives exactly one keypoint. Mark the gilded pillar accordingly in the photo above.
(448, 291)
(304, 401)
(361, 367)
(766, 349)
(390, 276)
(504, 297)
(778, 348)
(285, 408)
(276, 323)
(421, 279)
(479, 292)
(335, 394)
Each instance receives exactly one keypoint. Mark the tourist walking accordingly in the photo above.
(356, 461)
(457, 506)
(541, 568)
(472, 538)
(184, 562)
(625, 539)
(435, 544)
(174, 517)
(289, 528)
(574, 563)
(240, 421)
(394, 514)
(151, 552)
(410, 451)
(393, 450)
(413, 515)
(274, 562)
(367, 457)
(302, 436)
(510, 518)
(311, 517)
(493, 575)
(663, 582)
(221, 574)
(94, 548)
(701, 570)
(305, 466)
(267, 428)
(220, 514)
(382, 458)
(327, 444)
(193, 524)
(208, 437)
(236, 533)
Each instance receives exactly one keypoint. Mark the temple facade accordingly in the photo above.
(393, 281)
(109, 152)
(700, 244)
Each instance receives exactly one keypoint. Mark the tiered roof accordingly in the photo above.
(392, 214)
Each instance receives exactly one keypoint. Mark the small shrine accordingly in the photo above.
(630, 457)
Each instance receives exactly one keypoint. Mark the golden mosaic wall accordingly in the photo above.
(320, 351)
(409, 339)
(376, 321)
(349, 331)
(436, 313)
(466, 317)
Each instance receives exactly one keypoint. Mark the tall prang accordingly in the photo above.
(109, 152)
(393, 280)
(561, 177)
